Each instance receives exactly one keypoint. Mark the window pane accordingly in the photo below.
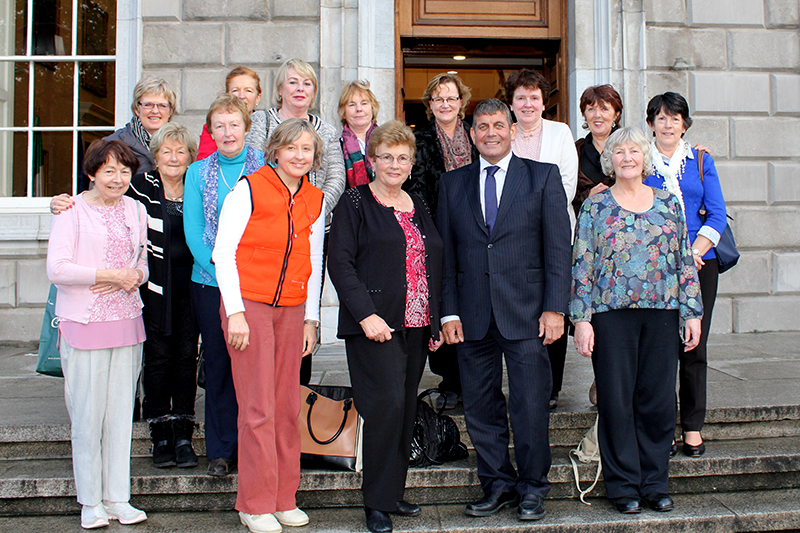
(13, 172)
(96, 106)
(97, 29)
(52, 163)
(53, 93)
(16, 85)
(52, 27)
(20, 27)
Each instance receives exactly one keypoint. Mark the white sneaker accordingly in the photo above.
(293, 518)
(93, 516)
(125, 513)
(260, 523)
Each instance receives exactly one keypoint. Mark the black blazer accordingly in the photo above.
(523, 268)
(367, 261)
(429, 165)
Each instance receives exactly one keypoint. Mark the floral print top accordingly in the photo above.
(627, 260)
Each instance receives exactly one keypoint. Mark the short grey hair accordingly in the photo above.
(177, 133)
(625, 136)
(491, 106)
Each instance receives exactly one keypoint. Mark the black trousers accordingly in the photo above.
(385, 379)
(221, 408)
(693, 373)
(635, 362)
(557, 352)
(444, 362)
(529, 383)
(169, 373)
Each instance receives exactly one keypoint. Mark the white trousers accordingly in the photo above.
(99, 387)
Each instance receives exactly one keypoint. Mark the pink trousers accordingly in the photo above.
(266, 376)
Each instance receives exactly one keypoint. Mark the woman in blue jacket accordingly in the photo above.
(676, 169)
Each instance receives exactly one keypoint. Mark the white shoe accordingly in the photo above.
(260, 523)
(93, 516)
(293, 518)
(125, 513)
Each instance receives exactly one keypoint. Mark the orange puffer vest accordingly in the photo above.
(274, 254)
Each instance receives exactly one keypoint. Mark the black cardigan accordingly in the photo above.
(367, 261)
(157, 293)
(429, 165)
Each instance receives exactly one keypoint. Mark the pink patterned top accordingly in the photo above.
(115, 318)
(417, 308)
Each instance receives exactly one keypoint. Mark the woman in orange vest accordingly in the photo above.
(268, 258)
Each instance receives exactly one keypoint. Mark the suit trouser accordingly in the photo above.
(221, 407)
(693, 372)
(99, 386)
(529, 383)
(385, 379)
(635, 362)
(265, 374)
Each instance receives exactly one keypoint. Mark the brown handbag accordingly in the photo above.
(330, 428)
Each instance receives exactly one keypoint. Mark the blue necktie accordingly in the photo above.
(490, 197)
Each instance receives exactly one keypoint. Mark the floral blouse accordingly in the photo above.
(627, 260)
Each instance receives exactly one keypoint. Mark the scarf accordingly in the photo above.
(359, 171)
(458, 150)
(209, 185)
(672, 173)
(139, 131)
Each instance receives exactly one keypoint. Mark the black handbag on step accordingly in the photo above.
(436, 436)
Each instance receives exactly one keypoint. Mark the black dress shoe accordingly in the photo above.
(694, 451)
(673, 450)
(628, 505)
(553, 401)
(491, 503)
(659, 502)
(531, 507)
(378, 521)
(221, 467)
(407, 509)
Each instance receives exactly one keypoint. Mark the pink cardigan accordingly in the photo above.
(75, 253)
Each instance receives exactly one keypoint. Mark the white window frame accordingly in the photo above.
(128, 61)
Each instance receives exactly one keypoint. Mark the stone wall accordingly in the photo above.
(738, 64)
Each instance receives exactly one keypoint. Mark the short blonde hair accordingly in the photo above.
(349, 90)
(463, 91)
(288, 132)
(229, 103)
(177, 133)
(302, 68)
(625, 136)
(392, 133)
(157, 86)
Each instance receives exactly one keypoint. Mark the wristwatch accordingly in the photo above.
(309, 322)
(696, 252)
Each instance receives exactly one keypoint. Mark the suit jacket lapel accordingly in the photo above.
(473, 192)
(512, 184)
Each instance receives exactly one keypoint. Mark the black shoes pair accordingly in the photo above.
(381, 522)
(172, 443)
(531, 506)
(657, 502)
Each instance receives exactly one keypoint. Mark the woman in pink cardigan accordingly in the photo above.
(97, 258)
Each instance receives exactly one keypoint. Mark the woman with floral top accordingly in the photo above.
(634, 280)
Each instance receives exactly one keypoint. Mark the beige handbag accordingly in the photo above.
(330, 428)
(588, 451)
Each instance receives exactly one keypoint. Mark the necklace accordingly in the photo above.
(525, 133)
(222, 175)
(170, 196)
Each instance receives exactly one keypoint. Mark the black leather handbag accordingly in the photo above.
(727, 254)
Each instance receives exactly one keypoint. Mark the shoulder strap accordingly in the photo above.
(700, 154)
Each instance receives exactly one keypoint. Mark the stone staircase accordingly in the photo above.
(749, 480)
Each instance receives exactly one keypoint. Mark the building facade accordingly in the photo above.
(736, 61)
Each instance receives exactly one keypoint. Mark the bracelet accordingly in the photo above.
(696, 252)
(309, 322)
(140, 275)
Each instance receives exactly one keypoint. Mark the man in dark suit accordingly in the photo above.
(506, 286)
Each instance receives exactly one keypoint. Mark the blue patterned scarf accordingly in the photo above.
(209, 186)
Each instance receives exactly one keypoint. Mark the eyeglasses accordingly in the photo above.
(387, 159)
(150, 105)
(450, 99)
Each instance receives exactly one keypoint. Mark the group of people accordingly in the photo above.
(453, 246)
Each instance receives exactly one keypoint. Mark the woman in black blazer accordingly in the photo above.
(385, 260)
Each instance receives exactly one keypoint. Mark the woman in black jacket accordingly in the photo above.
(443, 145)
(385, 260)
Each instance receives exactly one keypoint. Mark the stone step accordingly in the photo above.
(767, 510)
(566, 429)
(46, 486)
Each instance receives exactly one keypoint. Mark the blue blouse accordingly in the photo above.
(627, 260)
(695, 194)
